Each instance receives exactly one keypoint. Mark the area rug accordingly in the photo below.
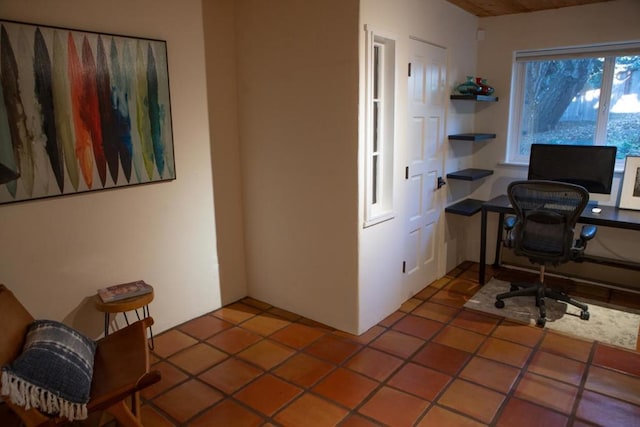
(605, 324)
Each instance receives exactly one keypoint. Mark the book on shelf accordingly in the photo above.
(124, 291)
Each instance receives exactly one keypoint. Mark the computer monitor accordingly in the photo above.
(591, 166)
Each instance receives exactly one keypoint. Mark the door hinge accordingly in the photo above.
(406, 172)
(404, 267)
(409, 69)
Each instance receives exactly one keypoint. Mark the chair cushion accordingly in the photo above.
(53, 373)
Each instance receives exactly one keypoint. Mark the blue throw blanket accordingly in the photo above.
(54, 371)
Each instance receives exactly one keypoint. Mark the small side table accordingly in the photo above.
(123, 306)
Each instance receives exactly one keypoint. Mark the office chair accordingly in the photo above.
(121, 366)
(543, 231)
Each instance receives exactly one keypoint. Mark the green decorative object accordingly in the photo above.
(468, 88)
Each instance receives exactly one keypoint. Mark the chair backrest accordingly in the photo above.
(547, 214)
(14, 321)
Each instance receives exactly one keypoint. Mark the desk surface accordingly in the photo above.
(610, 216)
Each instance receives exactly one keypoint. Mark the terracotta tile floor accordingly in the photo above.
(431, 363)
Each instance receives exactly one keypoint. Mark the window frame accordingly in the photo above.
(380, 128)
(607, 51)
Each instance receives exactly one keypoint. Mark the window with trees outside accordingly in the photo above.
(581, 96)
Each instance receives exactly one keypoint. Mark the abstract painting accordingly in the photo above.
(81, 111)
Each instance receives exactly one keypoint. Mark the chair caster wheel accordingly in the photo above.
(541, 322)
(584, 315)
(499, 303)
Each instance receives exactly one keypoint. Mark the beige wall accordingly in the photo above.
(219, 17)
(598, 23)
(297, 64)
(55, 253)
(292, 147)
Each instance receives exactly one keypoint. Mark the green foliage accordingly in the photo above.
(623, 130)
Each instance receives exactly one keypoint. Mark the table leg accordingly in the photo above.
(496, 260)
(483, 245)
(106, 324)
(147, 313)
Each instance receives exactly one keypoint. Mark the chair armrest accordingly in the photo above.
(509, 222)
(588, 232)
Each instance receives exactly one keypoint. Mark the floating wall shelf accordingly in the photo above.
(482, 98)
(466, 207)
(469, 207)
(472, 136)
(470, 174)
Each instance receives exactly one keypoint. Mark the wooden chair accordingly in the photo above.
(121, 366)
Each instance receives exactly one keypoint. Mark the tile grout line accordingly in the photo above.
(501, 319)
(582, 386)
(434, 402)
(406, 360)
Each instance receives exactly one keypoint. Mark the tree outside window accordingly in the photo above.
(581, 100)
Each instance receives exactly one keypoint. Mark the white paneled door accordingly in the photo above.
(425, 138)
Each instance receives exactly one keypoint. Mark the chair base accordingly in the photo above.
(540, 292)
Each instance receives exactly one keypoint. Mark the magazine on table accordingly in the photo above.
(124, 291)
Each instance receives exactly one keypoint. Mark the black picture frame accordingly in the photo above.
(81, 111)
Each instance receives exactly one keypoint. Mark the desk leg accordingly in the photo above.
(496, 260)
(483, 246)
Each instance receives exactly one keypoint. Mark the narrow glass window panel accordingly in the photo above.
(375, 181)
(561, 101)
(376, 70)
(623, 125)
(376, 126)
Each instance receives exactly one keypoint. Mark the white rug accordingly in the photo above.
(605, 324)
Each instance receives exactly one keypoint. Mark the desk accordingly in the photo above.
(609, 217)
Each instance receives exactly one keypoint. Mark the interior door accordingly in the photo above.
(425, 139)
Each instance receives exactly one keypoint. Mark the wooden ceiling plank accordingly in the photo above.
(487, 8)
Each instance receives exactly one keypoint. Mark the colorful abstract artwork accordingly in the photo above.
(81, 111)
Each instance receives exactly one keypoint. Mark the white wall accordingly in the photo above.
(55, 253)
(381, 289)
(597, 23)
(297, 65)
